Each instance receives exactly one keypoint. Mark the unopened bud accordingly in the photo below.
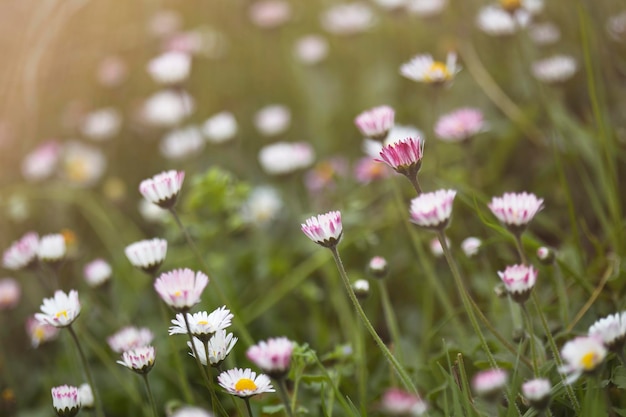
(378, 267)
(361, 288)
(546, 255)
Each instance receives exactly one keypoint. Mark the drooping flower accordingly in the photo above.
(556, 69)
(40, 332)
(516, 210)
(22, 253)
(244, 382)
(163, 188)
(65, 400)
(147, 255)
(470, 246)
(10, 292)
(423, 68)
(612, 331)
(460, 125)
(51, 248)
(220, 127)
(489, 383)
(397, 402)
(219, 346)
(97, 272)
(285, 157)
(272, 356)
(170, 68)
(202, 324)
(582, 354)
(60, 310)
(433, 210)
(181, 288)
(519, 281)
(537, 392)
(324, 229)
(140, 360)
(129, 338)
(375, 123)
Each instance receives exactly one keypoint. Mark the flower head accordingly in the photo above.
(583, 354)
(537, 392)
(65, 400)
(22, 253)
(10, 292)
(272, 120)
(40, 163)
(244, 382)
(423, 68)
(147, 255)
(519, 281)
(51, 248)
(404, 156)
(167, 108)
(219, 346)
(170, 68)
(101, 124)
(397, 402)
(220, 127)
(612, 331)
(489, 383)
(285, 157)
(348, 18)
(272, 356)
(97, 272)
(82, 165)
(516, 210)
(495, 21)
(433, 210)
(181, 288)
(129, 338)
(182, 143)
(378, 267)
(202, 324)
(311, 49)
(460, 125)
(556, 69)
(324, 229)
(375, 123)
(546, 255)
(60, 310)
(40, 332)
(163, 188)
(269, 14)
(140, 360)
(262, 206)
(470, 246)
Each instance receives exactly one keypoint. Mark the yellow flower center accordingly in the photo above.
(245, 384)
(589, 361)
(61, 313)
(178, 294)
(203, 322)
(77, 170)
(437, 72)
(510, 5)
(39, 334)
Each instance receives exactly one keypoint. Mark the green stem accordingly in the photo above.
(533, 352)
(415, 183)
(555, 352)
(465, 297)
(247, 401)
(83, 358)
(283, 393)
(214, 400)
(520, 248)
(243, 331)
(196, 356)
(150, 396)
(390, 318)
(406, 380)
(361, 366)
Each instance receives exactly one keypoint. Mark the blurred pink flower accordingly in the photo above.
(460, 125)
(375, 123)
(367, 170)
(269, 14)
(40, 163)
(10, 292)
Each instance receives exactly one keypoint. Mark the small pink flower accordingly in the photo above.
(537, 392)
(460, 125)
(10, 292)
(140, 360)
(368, 170)
(22, 253)
(516, 210)
(433, 210)
(181, 288)
(397, 402)
(378, 267)
(490, 382)
(129, 338)
(269, 14)
(324, 229)
(612, 331)
(65, 400)
(273, 356)
(375, 123)
(42, 161)
(519, 281)
(163, 188)
(405, 156)
(97, 272)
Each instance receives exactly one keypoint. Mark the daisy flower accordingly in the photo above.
(219, 346)
(375, 123)
(22, 253)
(519, 281)
(140, 360)
(202, 324)
(537, 392)
(244, 382)
(611, 330)
(583, 354)
(147, 255)
(129, 338)
(489, 383)
(433, 210)
(60, 310)
(423, 68)
(163, 188)
(97, 272)
(324, 229)
(51, 248)
(516, 210)
(181, 288)
(66, 400)
(272, 356)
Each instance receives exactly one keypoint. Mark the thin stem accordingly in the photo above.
(245, 335)
(520, 248)
(283, 393)
(415, 183)
(214, 400)
(464, 296)
(533, 352)
(406, 380)
(150, 396)
(247, 401)
(555, 352)
(195, 354)
(390, 318)
(83, 358)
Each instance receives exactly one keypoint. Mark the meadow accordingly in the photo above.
(289, 208)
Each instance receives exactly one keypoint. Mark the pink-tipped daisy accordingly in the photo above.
(404, 156)
(181, 288)
(433, 210)
(163, 188)
(519, 281)
(22, 253)
(244, 382)
(51, 248)
(375, 123)
(140, 360)
(97, 272)
(66, 400)
(272, 356)
(129, 338)
(516, 210)
(202, 324)
(378, 267)
(489, 383)
(60, 310)
(147, 255)
(460, 125)
(423, 68)
(324, 229)
(583, 354)
(612, 331)
(397, 402)
(537, 392)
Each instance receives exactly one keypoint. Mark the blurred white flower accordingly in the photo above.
(616, 27)
(470, 246)
(273, 119)
(220, 127)
(284, 157)
(262, 206)
(82, 165)
(40, 163)
(555, 69)
(167, 108)
(270, 13)
(496, 21)
(182, 143)
(348, 18)
(546, 33)
(426, 8)
(101, 124)
(391, 4)
(170, 68)
(311, 49)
